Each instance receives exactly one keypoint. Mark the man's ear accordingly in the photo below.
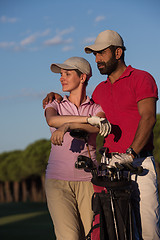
(118, 53)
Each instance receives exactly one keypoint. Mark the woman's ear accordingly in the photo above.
(83, 77)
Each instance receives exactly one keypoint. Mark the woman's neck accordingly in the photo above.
(77, 98)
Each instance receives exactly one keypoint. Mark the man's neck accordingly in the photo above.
(118, 72)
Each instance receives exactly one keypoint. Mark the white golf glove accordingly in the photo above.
(120, 158)
(102, 123)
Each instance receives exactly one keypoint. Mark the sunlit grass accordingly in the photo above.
(23, 221)
(19, 217)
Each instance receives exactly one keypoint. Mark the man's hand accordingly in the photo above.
(57, 136)
(102, 123)
(50, 97)
(120, 158)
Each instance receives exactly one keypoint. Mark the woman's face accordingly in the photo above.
(70, 80)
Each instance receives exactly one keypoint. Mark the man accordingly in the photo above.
(128, 98)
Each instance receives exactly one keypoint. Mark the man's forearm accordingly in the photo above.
(83, 126)
(143, 133)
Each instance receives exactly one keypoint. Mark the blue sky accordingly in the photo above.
(36, 33)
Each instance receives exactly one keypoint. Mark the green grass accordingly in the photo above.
(25, 221)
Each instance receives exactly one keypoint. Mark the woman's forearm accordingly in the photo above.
(58, 135)
(57, 121)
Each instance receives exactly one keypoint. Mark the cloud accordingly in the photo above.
(89, 40)
(65, 31)
(53, 41)
(100, 18)
(32, 38)
(67, 48)
(45, 33)
(23, 94)
(57, 40)
(27, 43)
(28, 40)
(5, 19)
(23, 44)
(7, 44)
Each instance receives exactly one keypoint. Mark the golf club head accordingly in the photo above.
(112, 169)
(102, 167)
(119, 166)
(80, 164)
(84, 162)
(129, 167)
(79, 134)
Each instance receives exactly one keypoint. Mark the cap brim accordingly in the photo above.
(95, 47)
(56, 67)
(99, 47)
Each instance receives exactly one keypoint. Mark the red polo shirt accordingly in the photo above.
(119, 102)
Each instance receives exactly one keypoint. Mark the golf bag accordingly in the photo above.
(111, 204)
(111, 201)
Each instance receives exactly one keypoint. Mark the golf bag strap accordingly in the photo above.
(88, 237)
(94, 233)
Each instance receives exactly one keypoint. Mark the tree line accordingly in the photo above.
(22, 172)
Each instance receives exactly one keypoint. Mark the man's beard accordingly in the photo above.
(109, 66)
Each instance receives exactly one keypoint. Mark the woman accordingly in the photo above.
(68, 189)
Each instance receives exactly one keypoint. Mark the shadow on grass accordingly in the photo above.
(25, 221)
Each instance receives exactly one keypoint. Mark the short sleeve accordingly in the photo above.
(145, 87)
(53, 104)
(97, 109)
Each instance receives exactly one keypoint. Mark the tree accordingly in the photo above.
(3, 156)
(35, 161)
(157, 139)
(9, 171)
(156, 151)
(18, 166)
(15, 171)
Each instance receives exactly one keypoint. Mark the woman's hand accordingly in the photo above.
(57, 136)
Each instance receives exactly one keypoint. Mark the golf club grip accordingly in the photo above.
(139, 169)
(83, 158)
(135, 169)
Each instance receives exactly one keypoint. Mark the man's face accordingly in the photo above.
(106, 61)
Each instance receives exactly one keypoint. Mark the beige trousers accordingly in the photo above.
(69, 204)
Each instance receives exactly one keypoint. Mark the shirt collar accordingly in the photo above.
(126, 73)
(88, 100)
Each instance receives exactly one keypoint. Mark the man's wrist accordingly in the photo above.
(131, 151)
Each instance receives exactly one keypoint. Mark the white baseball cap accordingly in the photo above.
(73, 63)
(104, 40)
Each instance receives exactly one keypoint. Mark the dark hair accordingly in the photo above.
(113, 49)
(79, 73)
